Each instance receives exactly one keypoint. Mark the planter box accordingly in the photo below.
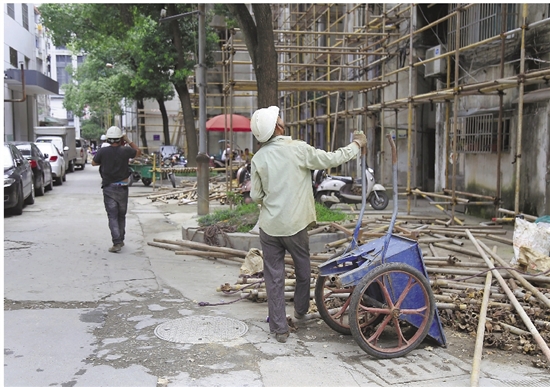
(246, 241)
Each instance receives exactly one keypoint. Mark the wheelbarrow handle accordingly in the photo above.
(395, 209)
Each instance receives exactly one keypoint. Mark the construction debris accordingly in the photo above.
(510, 307)
(187, 193)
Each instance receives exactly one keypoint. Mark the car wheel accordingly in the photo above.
(64, 176)
(82, 166)
(59, 181)
(18, 209)
(39, 186)
(49, 187)
(71, 166)
(30, 199)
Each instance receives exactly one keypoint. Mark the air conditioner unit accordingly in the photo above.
(435, 67)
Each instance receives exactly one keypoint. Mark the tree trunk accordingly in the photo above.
(164, 114)
(142, 130)
(183, 94)
(261, 48)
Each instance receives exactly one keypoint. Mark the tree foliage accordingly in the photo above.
(147, 56)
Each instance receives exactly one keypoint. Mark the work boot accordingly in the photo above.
(281, 337)
(298, 316)
(115, 248)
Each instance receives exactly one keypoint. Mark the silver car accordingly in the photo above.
(56, 160)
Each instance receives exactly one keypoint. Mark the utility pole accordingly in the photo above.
(203, 161)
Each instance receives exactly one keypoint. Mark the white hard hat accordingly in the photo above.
(103, 137)
(263, 123)
(114, 132)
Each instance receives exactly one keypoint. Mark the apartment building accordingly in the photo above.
(28, 81)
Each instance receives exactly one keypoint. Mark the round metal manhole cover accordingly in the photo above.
(201, 329)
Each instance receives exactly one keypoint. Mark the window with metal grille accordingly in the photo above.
(13, 57)
(25, 15)
(481, 21)
(479, 134)
(11, 10)
(62, 61)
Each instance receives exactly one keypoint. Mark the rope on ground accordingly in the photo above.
(211, 234)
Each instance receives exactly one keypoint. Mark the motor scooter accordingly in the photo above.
(329, 190)
(243, 177)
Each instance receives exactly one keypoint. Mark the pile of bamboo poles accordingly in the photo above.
(187, 194)
(476, 289)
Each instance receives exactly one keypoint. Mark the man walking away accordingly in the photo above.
(113, 168)
(281, 183)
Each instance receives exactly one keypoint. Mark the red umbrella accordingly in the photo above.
(218, 123)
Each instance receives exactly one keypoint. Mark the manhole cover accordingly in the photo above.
(201, 329)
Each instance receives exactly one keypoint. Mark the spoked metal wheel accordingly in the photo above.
(332, 303)
(404, 304)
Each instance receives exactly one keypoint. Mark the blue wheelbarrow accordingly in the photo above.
(379, 292)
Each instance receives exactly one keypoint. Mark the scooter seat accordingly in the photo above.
(345, 179)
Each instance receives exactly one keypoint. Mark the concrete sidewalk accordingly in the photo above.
(315, 355)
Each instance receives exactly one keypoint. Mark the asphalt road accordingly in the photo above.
(77, 315)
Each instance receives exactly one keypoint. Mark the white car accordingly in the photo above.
(55, 158)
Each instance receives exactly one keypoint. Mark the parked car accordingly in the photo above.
(18, 180)
(41, 168)
(55, 157)
(81, 153)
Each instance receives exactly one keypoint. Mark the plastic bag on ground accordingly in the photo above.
(532, 245)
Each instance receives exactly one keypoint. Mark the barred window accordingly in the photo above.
(13, 57)
(11, 10)
(62, 61)
(25, 15)
(481, 21)
(479, 134)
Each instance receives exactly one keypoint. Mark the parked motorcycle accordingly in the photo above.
(243, 178)
(329, 190)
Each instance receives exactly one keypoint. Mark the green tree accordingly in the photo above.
(91, 129)
(259, 39)
(156, 53)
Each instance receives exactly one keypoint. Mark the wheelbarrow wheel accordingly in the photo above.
(146, 181)
(332, 303)
(405, 300)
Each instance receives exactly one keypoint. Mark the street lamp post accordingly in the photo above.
(203, 161)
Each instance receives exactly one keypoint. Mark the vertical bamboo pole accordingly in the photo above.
(521, 80)
(447, 128)
(455, 109)
(478, 350)
(500, 108)
(328, 45)
(382, 100)
(410, 112)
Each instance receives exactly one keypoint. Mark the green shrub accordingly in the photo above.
(244, 216)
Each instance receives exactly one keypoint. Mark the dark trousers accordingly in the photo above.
(273, 249)
(115, 198)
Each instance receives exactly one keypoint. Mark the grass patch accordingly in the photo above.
(244, 216)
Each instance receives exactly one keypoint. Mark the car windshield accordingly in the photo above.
(46, 149)
(8, 161)
(25, 149)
